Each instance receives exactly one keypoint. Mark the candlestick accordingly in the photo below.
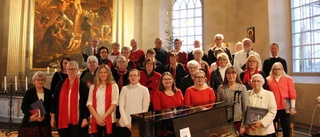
(15, 83)
(26, 83)
(48, 70)
(5, 83)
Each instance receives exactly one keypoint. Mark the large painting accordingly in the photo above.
(63, 28)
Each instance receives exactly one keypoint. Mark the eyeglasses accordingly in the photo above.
(103, 52)
(256, 81)
(71, 69)
(229, 73)
(199, 77)
(165, 79)
(251, 61)
(134, 75)
(277, 69)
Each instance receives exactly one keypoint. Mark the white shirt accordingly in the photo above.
(240, 59)
(133, 99)
(113, 57)
(264, 99)
(101, 97)
(40, 96)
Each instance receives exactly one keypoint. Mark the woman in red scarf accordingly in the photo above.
(69, 108)
(252, 68)
(102, 102)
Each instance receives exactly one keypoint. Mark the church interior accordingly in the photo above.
(145, 20)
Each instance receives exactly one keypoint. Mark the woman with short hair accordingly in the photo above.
(252, 64)
(261, 98)
(88, 74)
(33, 124)
(200, 93)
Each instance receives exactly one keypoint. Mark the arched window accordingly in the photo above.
(305, 35)
(187, 22)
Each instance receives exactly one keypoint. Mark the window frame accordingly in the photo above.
(311, 42)
(184, 38)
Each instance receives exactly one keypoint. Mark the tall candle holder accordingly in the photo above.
(8, 132)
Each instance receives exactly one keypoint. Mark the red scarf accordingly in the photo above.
(247, 76)
(217, 63)
(64, 98)
(107, 105)
(120, 81)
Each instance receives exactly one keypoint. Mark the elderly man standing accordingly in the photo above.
(267, 64)
(240, 57)
(91, 50)
(218, 39)
(136, 55)
(161, 53)
(196, 44)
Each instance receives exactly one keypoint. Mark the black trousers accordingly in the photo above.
(103, 133)
(73, 131)
(284, 122)
(270, 135)
(125, 132)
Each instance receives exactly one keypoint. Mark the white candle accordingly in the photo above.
(5, 83)
(48, 70)
(15, 83)
(55, 70)
(26, 83)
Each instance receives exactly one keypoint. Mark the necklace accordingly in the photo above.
(103, 62)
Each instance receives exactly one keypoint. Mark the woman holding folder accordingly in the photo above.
(36, 121)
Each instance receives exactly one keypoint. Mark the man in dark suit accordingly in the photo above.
(267, 64)
(161, 53)
(91, 50)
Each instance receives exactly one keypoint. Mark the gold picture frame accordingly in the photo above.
(64, 28)
(251, 34)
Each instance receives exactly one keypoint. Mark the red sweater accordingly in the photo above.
(162, 101)
(150, 81)
(282, 89)
(195, 97)
(137, 57)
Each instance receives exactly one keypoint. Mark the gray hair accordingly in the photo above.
(38, 74)
(197, 49)
(223, 56)
(193, 62)
(259, 76)
(218, 35)
(92, 58)
(121, 58)
(75, 63)
(125, 48)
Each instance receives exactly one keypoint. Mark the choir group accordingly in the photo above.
(119, 83)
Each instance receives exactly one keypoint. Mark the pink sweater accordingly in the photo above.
(282, 89)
